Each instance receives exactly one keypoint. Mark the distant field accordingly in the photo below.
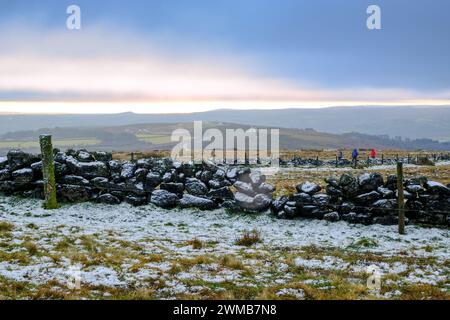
(155, 139)
(56, 143)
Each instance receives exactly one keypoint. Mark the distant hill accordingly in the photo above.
(156, 136)
(408, 122)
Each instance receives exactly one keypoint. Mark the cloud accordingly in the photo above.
(103, 64)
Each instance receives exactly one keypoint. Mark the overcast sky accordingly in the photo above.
(184, 56)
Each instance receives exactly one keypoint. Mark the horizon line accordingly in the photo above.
(201, 109)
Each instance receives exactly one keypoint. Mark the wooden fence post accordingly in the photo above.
(401, 200)
(48, 172)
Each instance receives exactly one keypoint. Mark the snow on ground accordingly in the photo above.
(420, 256)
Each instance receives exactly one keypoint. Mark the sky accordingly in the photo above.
(162, 56)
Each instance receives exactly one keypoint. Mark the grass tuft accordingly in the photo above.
(31, 247)
(196, 244)
(230, 261)
(364, 243)
(249, 238)
(6, 226)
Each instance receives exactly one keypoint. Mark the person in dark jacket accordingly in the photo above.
(355, 155)
(339, 157)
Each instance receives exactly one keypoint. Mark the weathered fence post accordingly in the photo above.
(401, 200)
(48, 172)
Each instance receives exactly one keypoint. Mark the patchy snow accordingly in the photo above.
(137, 223)
(166, 232)
(328, 263)
(442, 163)
(299, 294)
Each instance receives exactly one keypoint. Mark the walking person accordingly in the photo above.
(373, 154)
(339, 157)
(355, 155)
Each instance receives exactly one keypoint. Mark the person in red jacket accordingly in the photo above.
(373, 153)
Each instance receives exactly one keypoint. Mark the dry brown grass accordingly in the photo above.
(195, 243)
(249, 238)
(31, 247)
(6, 226)
(363, 153)
(230, 261)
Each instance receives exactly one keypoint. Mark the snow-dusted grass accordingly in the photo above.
(147, 252)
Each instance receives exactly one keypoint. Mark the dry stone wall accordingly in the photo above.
(94, 176)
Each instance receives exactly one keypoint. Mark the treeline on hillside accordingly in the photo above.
(124, 138)
(111, 137)
(400, 143)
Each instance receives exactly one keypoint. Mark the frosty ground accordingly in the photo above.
(123, 252)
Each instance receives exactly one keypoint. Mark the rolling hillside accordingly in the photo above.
(157, 136)
(407, 122)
